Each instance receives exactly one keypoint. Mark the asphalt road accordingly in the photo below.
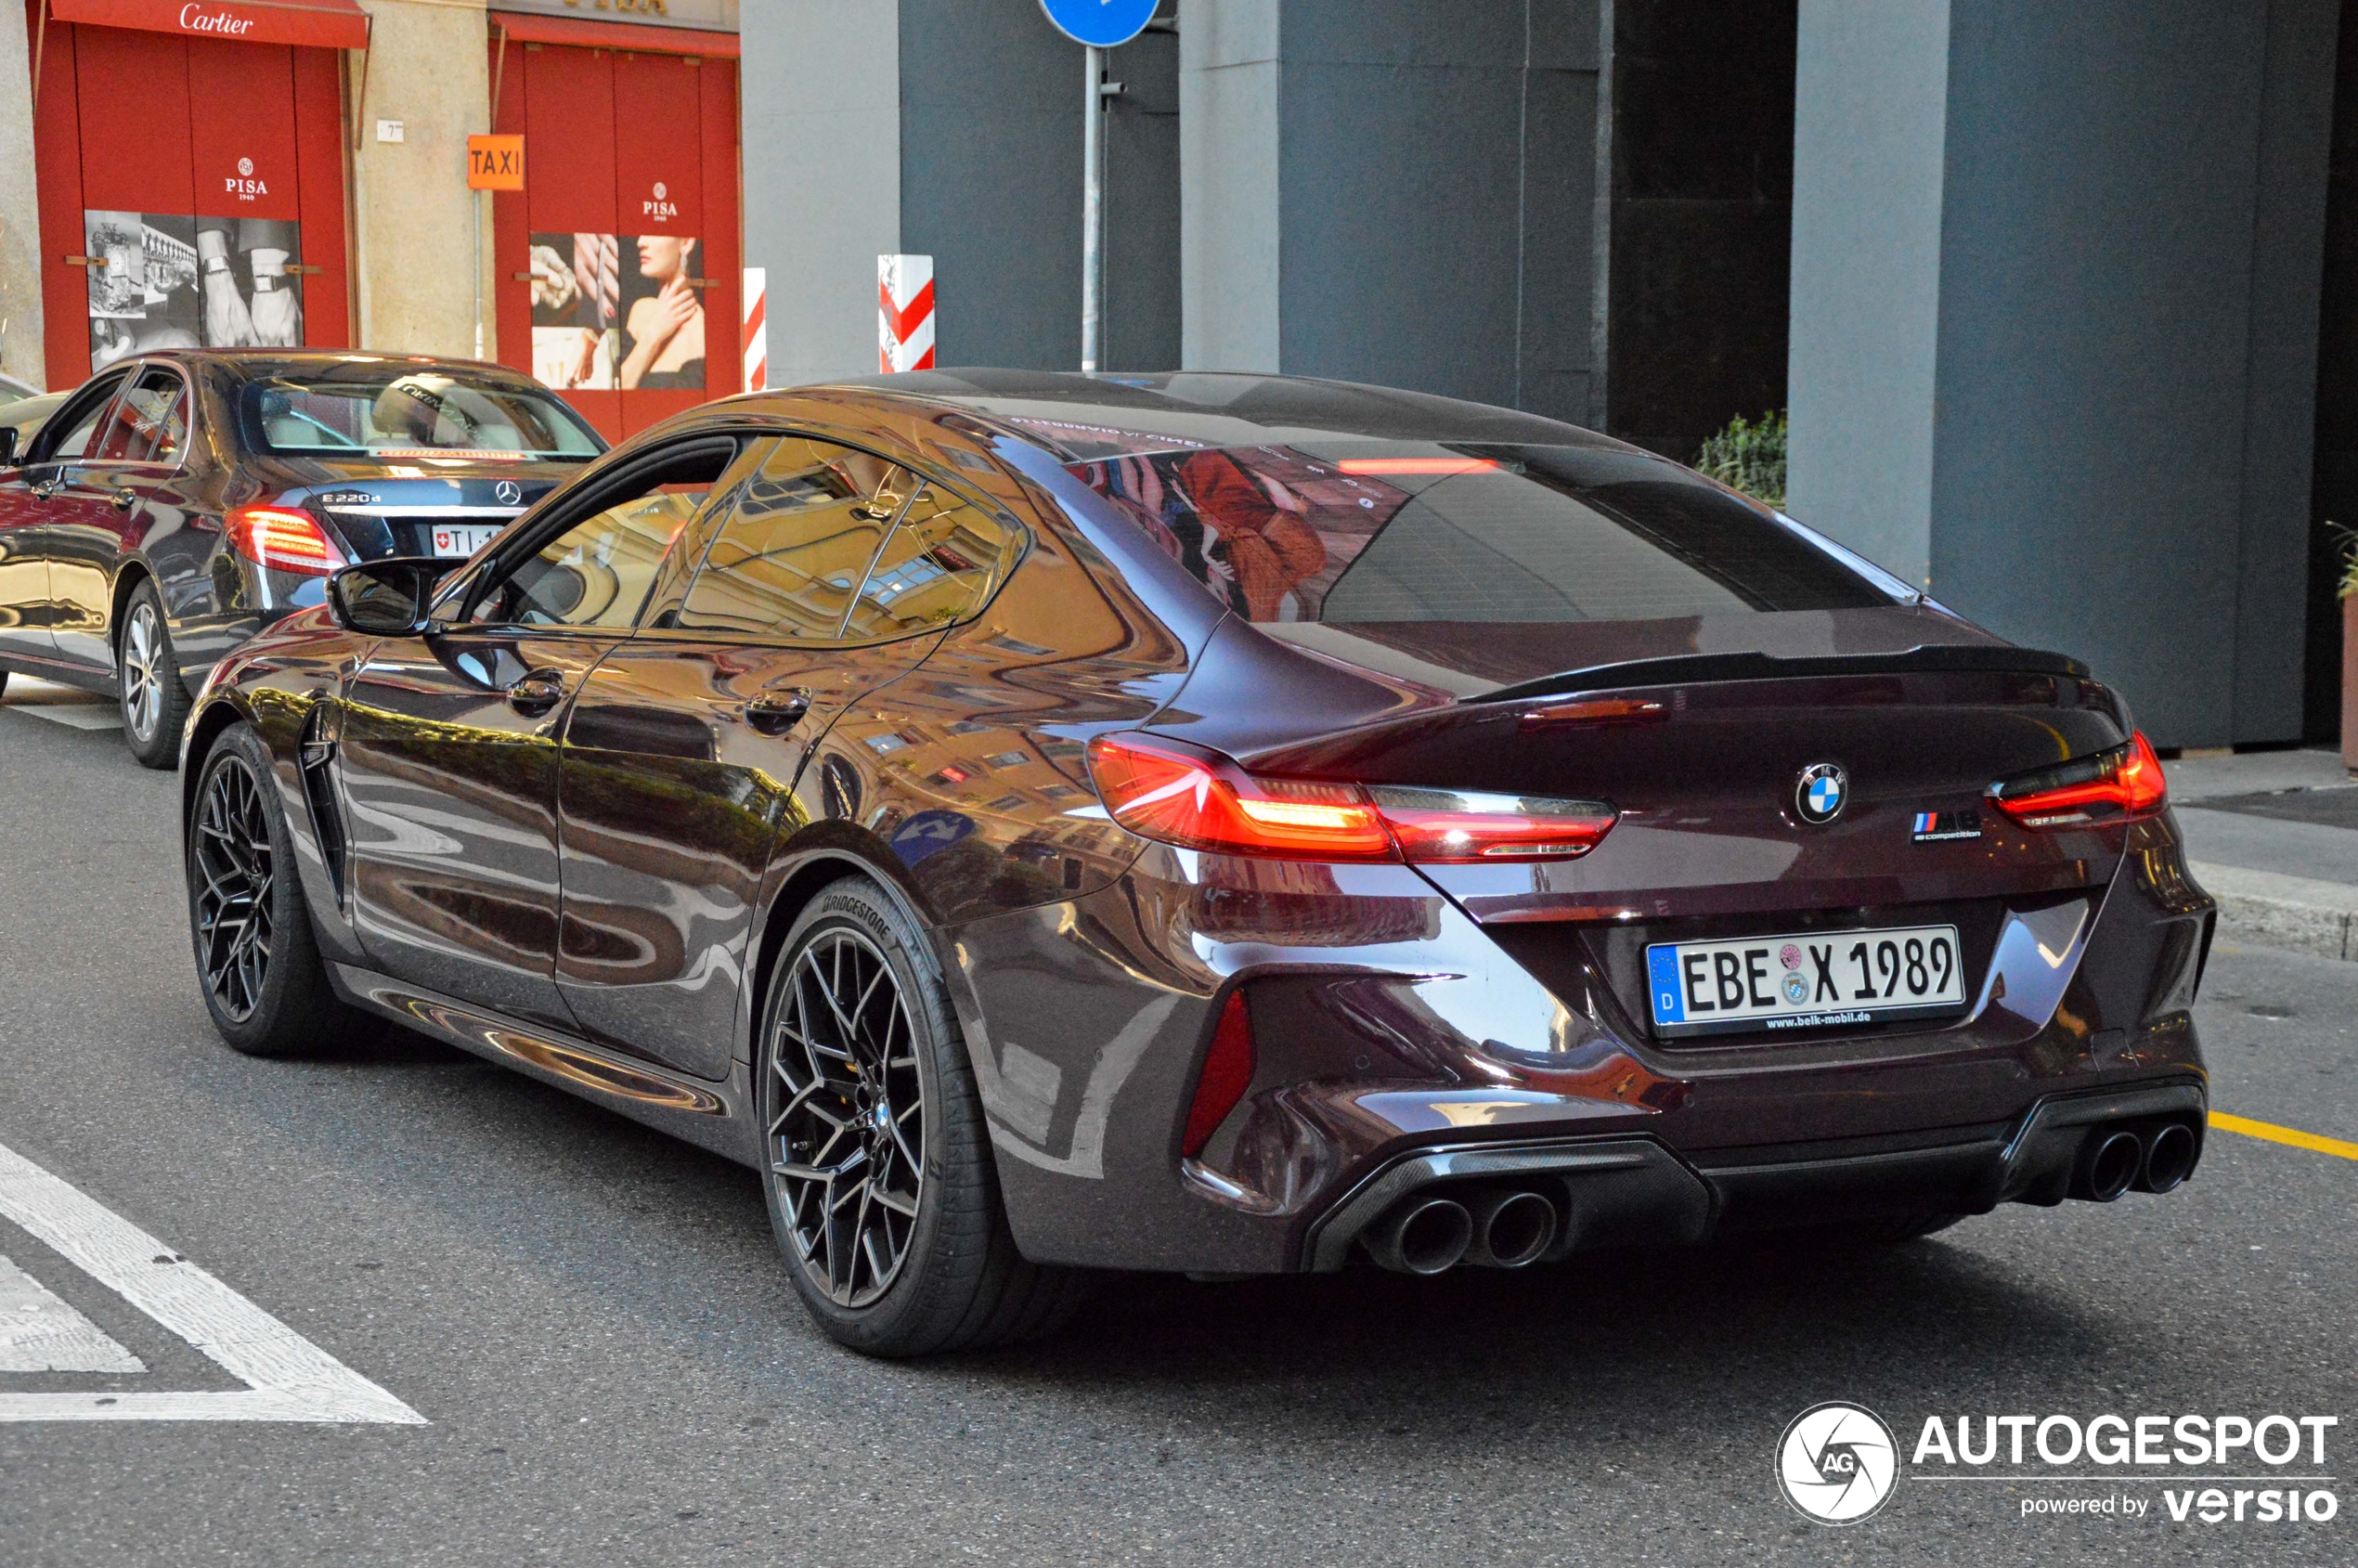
(613, 1367)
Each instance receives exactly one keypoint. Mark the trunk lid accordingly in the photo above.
(378, 511)
(1704, 757)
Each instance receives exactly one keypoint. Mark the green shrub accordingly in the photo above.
(1749, 456)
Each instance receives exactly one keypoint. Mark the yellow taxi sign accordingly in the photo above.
(495, 163)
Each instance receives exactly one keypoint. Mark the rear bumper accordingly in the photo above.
(1393, 1029)
(1635, 1192)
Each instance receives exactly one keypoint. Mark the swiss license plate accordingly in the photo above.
(462, 538)
(1812, 979)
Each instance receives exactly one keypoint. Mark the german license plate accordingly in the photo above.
(462, 538)
(1813, 979)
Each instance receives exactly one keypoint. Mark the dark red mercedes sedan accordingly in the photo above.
(1224, 823)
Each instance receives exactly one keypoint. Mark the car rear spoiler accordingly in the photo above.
(1923, 659)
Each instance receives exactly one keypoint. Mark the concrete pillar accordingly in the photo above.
(413, 215)
(821, 96)
(1871, 112)
(20, 335)
(1228, 185)
(2054, 316)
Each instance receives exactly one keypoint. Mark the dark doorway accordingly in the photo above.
(2334, 496)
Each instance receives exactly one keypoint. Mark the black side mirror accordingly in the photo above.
(387, 598)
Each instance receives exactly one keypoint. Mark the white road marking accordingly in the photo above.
(288, 1378)
(39, 1333)
(77, 716)
(70, 705)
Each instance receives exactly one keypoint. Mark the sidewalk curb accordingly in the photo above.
(2293, 913)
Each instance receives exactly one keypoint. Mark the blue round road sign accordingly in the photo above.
(1106, 24)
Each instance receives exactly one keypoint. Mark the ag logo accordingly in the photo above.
(509, 492)
(1836, 1463)
(1819, 796)
(245, 167)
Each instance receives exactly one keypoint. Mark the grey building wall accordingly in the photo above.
(2131, 206)
(1391, 191)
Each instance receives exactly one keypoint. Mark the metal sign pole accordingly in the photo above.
(1093, 214)
(1097, 26)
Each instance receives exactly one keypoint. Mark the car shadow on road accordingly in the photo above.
(1608, 1332)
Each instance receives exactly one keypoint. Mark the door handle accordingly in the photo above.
(539, 691)
(776, 716)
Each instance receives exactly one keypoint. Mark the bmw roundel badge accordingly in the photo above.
(1821, 794)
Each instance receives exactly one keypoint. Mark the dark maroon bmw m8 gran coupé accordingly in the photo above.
(1224, 823)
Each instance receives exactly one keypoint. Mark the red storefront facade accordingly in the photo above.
(618, 265)
(192, 175)
(194, 165)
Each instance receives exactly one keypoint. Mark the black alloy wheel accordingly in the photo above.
(235, 890)
(256, 958)
(877, 1159)
(155, 703)
(852, 1120)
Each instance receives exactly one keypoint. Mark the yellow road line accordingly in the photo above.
(2277, 1135)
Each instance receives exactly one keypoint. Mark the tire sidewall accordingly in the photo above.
(239, 747)
(933, 1278)
(161, 748)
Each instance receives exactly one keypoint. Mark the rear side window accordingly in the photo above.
(1371, 532)
(797, 543)
(936, 568)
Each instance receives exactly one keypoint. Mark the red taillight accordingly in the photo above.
(1200, 799)
(1425, 466)
(2117, 785)
(1228, 1073)
(285, 538)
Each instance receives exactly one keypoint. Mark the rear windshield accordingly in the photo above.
(1468, 533)
(417, 414)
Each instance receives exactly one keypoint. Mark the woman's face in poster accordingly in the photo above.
(662, 256)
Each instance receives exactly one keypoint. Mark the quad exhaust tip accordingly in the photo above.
(1510, 1228)
(2149, 1157)
(2170, 1158)
(2109, 1162)
(1421, 1235)
(1494, 1228)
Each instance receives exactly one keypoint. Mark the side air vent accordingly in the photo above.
(316, 756)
